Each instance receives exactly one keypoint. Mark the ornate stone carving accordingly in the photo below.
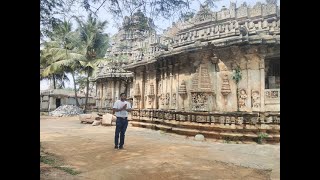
(268, 119)
(276, 119)
(271, 1)
(174, 99)
(182, 117)
(242, 98)
(137, 92)
(272, 94)
(151, 94)
(254, 120)
(239, 120)
(162, 99)
(255, 96)
(233, 120)
(167, 99)
(221, 119)
(242, 11)
(225, 88)
(228, 120)
(269, 9)
(136, 103)
(199, 101)
(213, 119)
(182, 89)
(203, 14)
(201, 89)
(256, 10)
(201, 81)
(159, 88)
(109, 103)
(201, 119)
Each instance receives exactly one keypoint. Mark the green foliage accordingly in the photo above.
(48, 8)
(185, 16)
(54, 162)
(237, 75)
(261, 137)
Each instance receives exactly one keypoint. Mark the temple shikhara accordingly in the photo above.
(218, 72)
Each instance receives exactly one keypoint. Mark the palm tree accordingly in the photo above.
(69, 40)
(63, 53)
(46, 58)
(94, 47)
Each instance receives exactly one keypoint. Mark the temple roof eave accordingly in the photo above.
(216, 43)
(111, 75)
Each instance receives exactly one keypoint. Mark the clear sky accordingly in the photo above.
(160, 22)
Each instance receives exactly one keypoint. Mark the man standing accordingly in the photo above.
(121, 107)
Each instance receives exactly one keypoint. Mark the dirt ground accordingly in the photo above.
(149, 155)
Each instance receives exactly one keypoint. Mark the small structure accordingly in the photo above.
(53, 98)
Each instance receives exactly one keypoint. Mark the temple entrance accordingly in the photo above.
(272, 80)
(58, 102)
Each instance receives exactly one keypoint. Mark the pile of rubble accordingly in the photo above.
(66, 110)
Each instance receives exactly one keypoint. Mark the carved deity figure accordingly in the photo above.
(255, 99)
(242, 98)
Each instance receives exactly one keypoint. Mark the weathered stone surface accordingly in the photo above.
(107, 119)
(167, 76)
(96, 123)
(88, 118)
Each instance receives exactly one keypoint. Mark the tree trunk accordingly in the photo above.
(87, 93)
(75, 89)
(54, 81)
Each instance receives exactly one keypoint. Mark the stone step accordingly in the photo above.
(270, 129)
(208, 134)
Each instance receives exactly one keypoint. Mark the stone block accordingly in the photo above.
(107, 119)
(199, 137)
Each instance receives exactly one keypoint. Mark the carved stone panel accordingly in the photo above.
(174, 100)
(201, 81)
(137, 90)
(239, 120)
(199, 101)
(255, 96)
(242, 98)
(167, 98)
(225, 88)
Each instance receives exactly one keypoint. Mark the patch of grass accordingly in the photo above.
(261, 137)
(68, 170)
(227, 140)
(49, 159)
(44, 113)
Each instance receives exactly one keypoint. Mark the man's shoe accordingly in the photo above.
(116, 147)
(120, 147)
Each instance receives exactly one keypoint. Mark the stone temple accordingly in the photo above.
(184, 80)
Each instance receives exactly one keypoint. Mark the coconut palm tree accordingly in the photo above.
(94, 45)
(46, 58)
(63, 53)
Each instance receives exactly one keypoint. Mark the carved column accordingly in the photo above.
(176, 84)
(248, 103)
(146, 90)
(262, 83)
(113, 91)
(101, 95)
(142, 90)
(161, 89)
(170, 86)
